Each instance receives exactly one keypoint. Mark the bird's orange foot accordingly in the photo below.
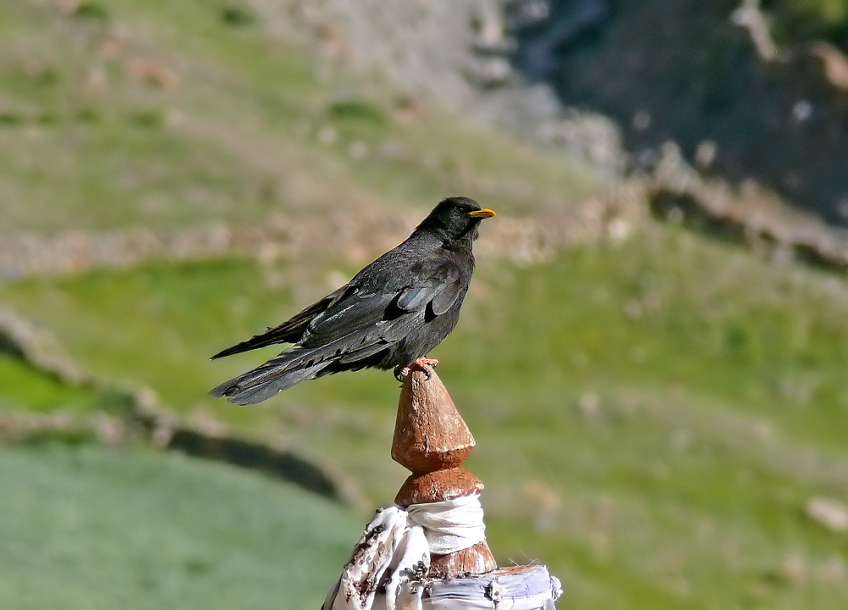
(423, 364)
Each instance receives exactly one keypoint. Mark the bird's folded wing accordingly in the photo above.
(361, 324)
(353, 314)
(356, 327)
(440, 291)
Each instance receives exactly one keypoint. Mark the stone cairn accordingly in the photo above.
(432, 440)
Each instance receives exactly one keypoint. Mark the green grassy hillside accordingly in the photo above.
(169, 114)
(652, 416)
(89, 527)
(640, 426)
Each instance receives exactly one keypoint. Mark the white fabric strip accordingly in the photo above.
(452, 525)
(400, 541)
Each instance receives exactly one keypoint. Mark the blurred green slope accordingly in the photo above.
(94, 527)
(166, 115)
(651, 417)
(639, 425)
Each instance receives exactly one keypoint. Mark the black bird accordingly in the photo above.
(390, 315)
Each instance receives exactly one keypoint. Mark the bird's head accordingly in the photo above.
(455, 220)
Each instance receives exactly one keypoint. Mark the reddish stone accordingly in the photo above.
(477, 559)
(430, 434)
(438, 486)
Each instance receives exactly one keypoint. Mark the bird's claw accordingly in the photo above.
(423, 364)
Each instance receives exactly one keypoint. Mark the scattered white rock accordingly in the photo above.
(327, 135)
(828, 512)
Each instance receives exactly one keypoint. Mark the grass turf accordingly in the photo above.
(650, 418)
(651, 433)
(121, 118)
(95, 527)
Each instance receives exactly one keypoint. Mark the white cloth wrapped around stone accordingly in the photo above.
(517, 588)
(392, 558)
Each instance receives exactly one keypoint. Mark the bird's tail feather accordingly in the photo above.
(261, 384)
(297, 364)
(278, 374)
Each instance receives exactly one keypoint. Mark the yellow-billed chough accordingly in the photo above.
(390, 315)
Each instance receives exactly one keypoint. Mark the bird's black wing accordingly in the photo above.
(351, 318)
(289, 331)
(440, 290)
(361, 316)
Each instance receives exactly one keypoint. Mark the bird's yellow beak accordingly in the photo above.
(484, 213)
